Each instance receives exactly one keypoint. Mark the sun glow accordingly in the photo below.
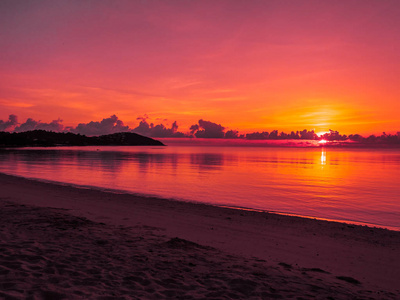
(321, 133)
(322, 142)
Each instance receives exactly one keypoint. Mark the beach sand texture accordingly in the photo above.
(61, 242)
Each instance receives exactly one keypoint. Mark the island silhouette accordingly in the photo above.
(42, 138)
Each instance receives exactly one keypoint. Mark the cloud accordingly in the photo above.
(232, 134)
(143, 128)
(194, 128)
(159, 130)
(106, 126)
(207, 129)
(204, 129)
(31, 124)
(143, 118)
(10, 123)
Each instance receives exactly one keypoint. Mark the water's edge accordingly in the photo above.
(149, 196)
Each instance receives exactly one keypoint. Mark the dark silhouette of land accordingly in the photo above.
(202, 129)
(42, 138)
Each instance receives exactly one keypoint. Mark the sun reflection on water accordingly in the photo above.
(358, 185)
(323, 157)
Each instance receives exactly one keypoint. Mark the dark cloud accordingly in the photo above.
(257, 135)
(308, 135)
(159, 130)
(232, 134)
(204, 129)
(143, 128)
(143, 118)
(194, 128)
(106, 126)
(113, 125)
(31, 124)
(9, 124)
(275, 135)
(174, 127)
(207, 129)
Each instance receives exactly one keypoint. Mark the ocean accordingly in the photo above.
(360, 186)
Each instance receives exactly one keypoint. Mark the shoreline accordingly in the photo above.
(367, 254)
(144, 196)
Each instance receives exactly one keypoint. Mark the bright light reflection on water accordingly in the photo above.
(357, 185)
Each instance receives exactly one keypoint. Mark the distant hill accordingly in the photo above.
(42, 138)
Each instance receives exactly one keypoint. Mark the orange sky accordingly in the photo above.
(248, 65)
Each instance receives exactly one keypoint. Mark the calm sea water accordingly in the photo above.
(354, 185)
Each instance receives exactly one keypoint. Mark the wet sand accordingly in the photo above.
(64, 242)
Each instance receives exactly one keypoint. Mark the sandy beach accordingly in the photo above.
(64, 242)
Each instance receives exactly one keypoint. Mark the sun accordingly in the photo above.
(322, 142)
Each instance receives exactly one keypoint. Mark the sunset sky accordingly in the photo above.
(248, 65)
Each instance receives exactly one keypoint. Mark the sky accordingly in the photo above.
(248, 65)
